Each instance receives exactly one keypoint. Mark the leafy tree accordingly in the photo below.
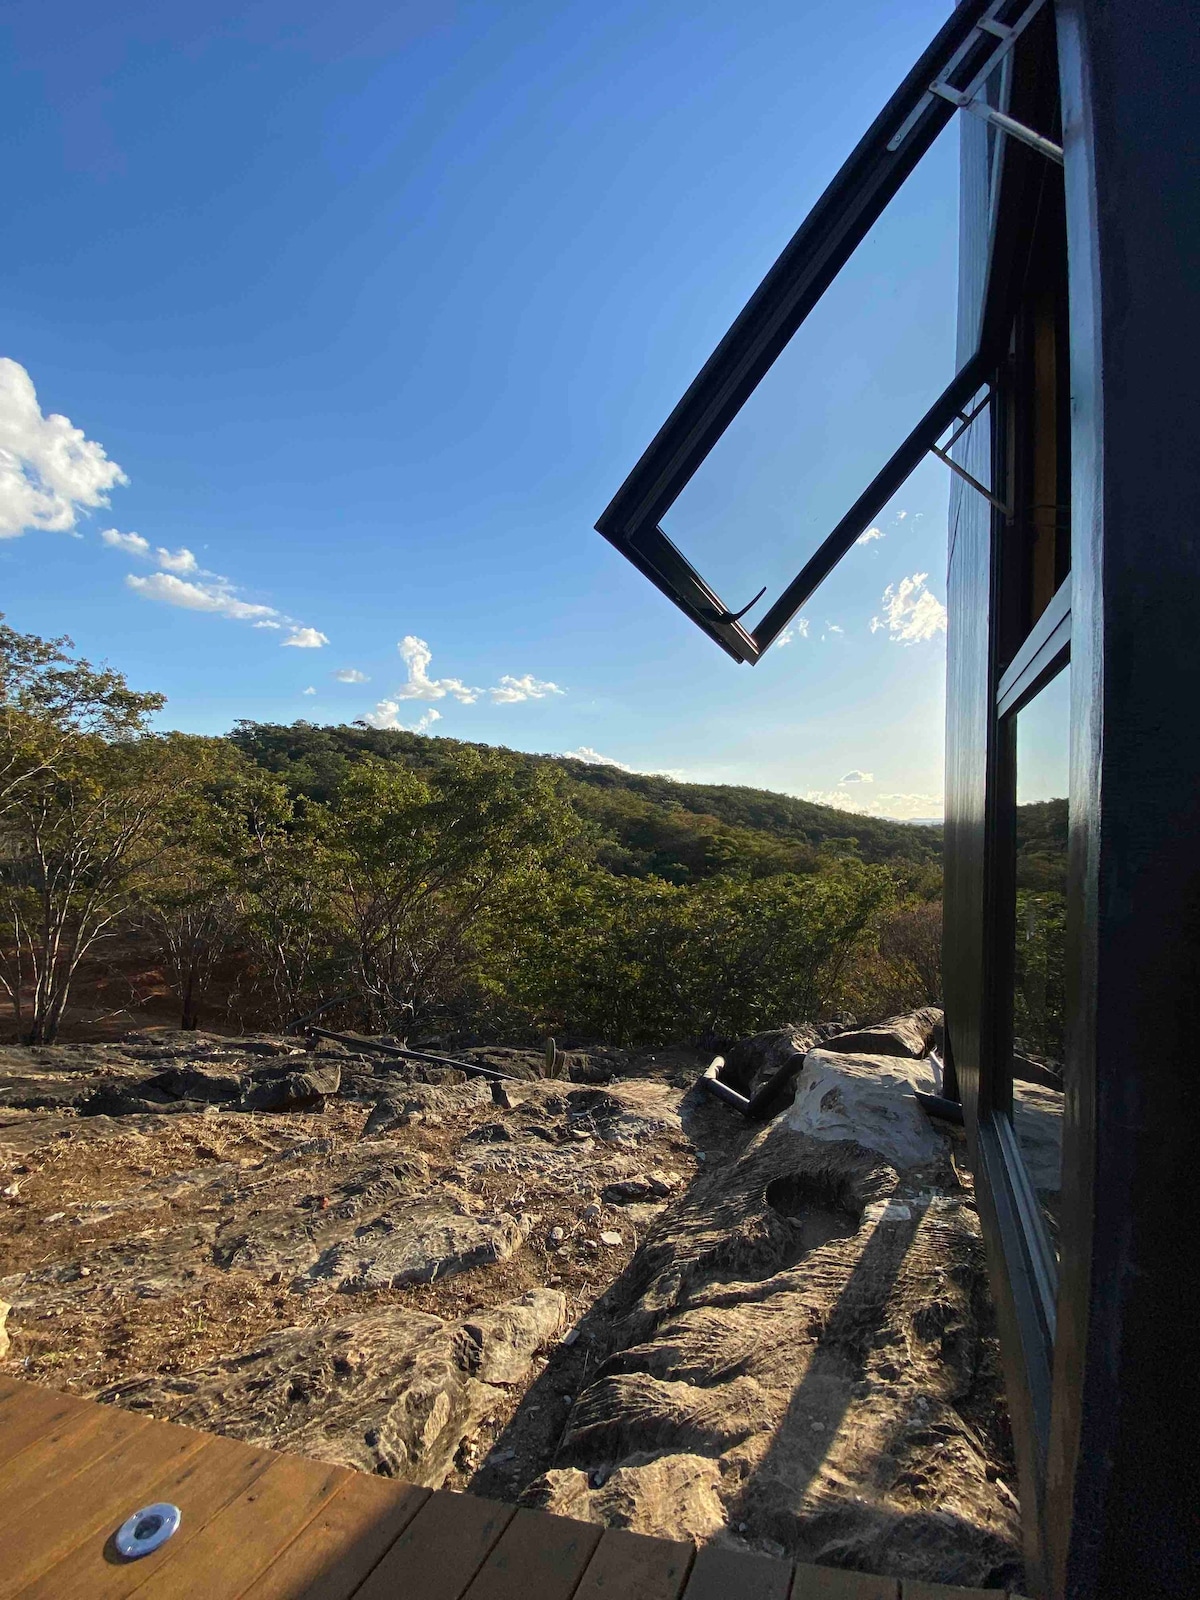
(48, 699)
(77, 843)
(643, 961)
(81, 792)
(193, 908)
(416, 867)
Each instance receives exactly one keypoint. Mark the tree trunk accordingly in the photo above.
(189, 1021)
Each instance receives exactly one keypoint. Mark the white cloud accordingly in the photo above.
(900, 516)
(181, 560)
(911, 614)
(593, 758)
(132, 544)
(840, 799)
(893, 807)
(309, 690)
(833, 627)
(217, 597)
(798, 630)
(871, 533)
(858, 777)
(350, 675)
(387, 715)
(305, 638)
(904, 807)
(509, 690)
(49, 470)
(416, 656)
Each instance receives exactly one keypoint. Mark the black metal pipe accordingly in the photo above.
(709, 1080)
(937, 1106)
(756, 1105)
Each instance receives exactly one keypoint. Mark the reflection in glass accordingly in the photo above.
(1039, 992)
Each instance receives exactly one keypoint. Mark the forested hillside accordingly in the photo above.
(428, 885)
(650, 824)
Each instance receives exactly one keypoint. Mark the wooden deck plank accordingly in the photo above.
(38, 1529)
(63, 1452)
(538, 1555)
(632, 1566)
(719, 1574)
(27, 1411)
(441, 1550)
(241, 1540)
(831, 1583)
(343, 1543)
(201, 1485)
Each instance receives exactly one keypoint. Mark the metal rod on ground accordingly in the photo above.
(412, 1055)
(757, 1104)
(710, 1081)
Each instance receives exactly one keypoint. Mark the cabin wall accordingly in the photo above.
(1123, 1452)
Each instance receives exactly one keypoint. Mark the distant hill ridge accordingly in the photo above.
(650, 823)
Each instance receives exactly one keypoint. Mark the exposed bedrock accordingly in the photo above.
(390, 1391)
(805, 1357)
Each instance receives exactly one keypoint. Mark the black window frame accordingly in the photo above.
(962, 51)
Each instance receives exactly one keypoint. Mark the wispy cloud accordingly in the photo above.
(798, 630)
(49, 469)
(857, 777)
(181, 561)
(509, 690)
(388, 712)
(871, 533)
(181, 581)
(216, 597)
(350, 675)
(911, 614)
(310, 690)
(593, 758)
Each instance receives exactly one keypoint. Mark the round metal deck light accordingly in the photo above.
(146, 1530)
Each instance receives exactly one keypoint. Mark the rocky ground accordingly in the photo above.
(601, 1293)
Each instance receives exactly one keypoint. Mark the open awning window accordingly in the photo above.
(957, 71)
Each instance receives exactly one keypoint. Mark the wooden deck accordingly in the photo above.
(258, 1525)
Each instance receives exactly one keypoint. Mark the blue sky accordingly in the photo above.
(374, 306)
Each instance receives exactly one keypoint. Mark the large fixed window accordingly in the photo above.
(1023, 1067)
(964, 67)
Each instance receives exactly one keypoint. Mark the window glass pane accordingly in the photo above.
(1039, 989)
(862, 370)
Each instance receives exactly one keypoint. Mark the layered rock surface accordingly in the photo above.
(318, 1252)
(802, 1354)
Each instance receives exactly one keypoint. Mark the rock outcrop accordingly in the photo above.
(802, 1353)
(390, 1391)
